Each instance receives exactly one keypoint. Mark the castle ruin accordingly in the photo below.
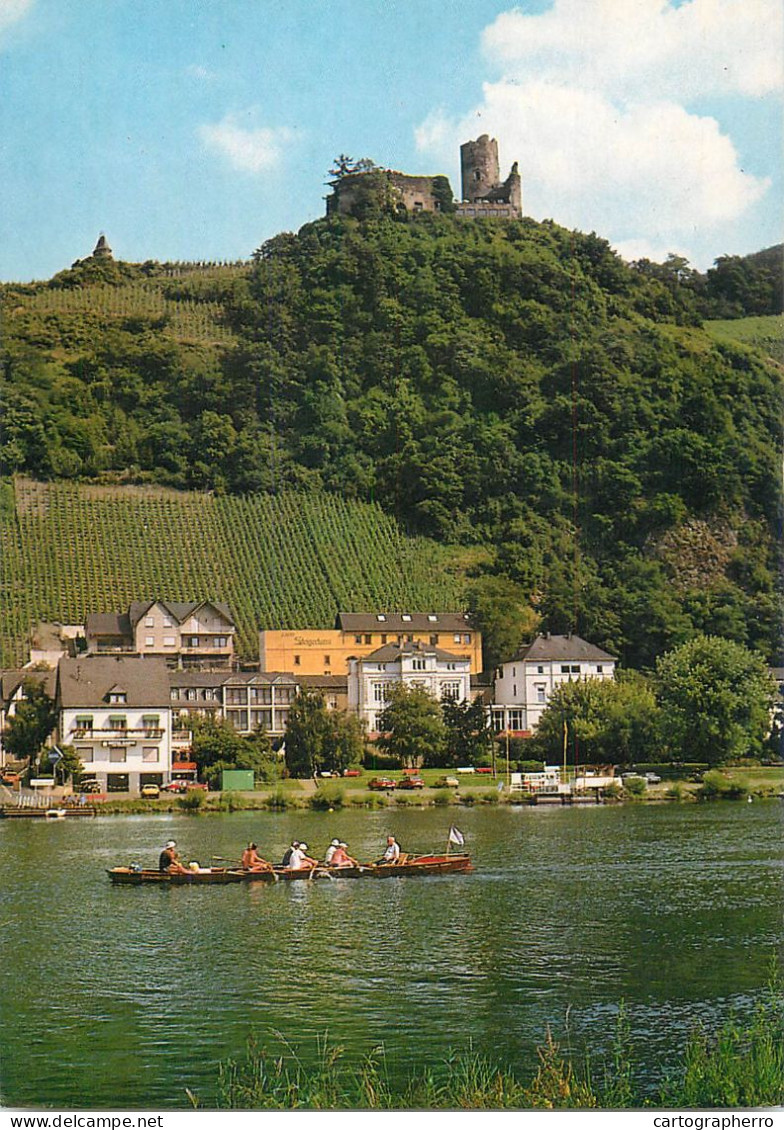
(483, 192)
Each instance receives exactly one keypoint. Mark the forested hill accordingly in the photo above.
(513, 385)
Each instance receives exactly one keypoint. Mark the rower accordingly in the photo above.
(288, 852)
(341, 858)
(330, 852)
(300, 860)
(392, 853)
(169, 860)
(252, 861)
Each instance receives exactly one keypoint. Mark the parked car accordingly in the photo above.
(411, 783)
(653, 778)
(381, 783)
(352, 772)
(90, 787)
(446, 783)
(10, 779)
(176, 786)
(484, 769)
(151, 792)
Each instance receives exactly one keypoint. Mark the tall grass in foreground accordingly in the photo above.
(739, 1065)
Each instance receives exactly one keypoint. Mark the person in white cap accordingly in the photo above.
(341, 858)
(331, 851)
(169, 859)
(300, 860)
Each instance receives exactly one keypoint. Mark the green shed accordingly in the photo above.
(239, 779)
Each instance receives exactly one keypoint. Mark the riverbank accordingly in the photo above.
(756, 782)
(736, 1066)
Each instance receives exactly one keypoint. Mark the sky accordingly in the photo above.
(197, 129)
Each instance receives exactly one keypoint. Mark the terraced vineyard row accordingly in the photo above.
(188, 320)
(279, 561)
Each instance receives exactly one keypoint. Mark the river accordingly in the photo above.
(116, 997)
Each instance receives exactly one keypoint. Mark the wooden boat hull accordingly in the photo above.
(453, 864)
(416, 865)
(129, 876)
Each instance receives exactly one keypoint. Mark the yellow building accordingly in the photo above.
(308, 651)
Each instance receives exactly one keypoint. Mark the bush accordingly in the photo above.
(635, 786)
(328, 795)
(716, 786)
(194, 800)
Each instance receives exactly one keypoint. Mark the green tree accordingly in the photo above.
(217, 746)
(501, 611)
(412, 726)
(715, 698)
(318, 739)
(605, 721)
(469, 739)
(31, 724)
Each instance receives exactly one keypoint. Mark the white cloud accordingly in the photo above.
(699, 48)
(13, 10)
(194, 70)
(249, 148)
(593, 100)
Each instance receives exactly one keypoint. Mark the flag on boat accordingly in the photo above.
(456, 836)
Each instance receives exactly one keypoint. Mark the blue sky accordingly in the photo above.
(196, 129)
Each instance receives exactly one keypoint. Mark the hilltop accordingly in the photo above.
(511, 387)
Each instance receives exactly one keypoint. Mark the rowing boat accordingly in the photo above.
(452, 864)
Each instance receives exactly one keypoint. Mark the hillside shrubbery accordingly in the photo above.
(509, 385)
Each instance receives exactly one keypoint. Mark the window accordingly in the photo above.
(84, 722)
(117, 755)
(151, 722)
(599, 669)
(466, 639)
(456, 637)
(296, 661)
(236, 696)
(540, 670)
(174, 694)
(368, 639)
(381, 618)
(326, 661)
(418, 665)
(118, 696)
(149, 641)
(434, 640)
(191, 694)
(406, 618)
(118, 722)
(575, 669)
(514, 690)
(150, 754)
(169, 641)
(433, 619)
(149, 622)
(191, 641)
(379, 692)
(84, 753)
(220, 641)
(383, 639)
(514, 672)
(167, 622)
(564, 668)
(541, 692)
(238, 719)
(450, 691)
(357, 639)
(515, 720)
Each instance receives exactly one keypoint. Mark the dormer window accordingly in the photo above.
(117, 697)
(406, 618)
(433, 619)
(381, 618)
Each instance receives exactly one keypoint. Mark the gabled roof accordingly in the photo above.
(403, 622)
(11, 681)
(86, 682)
(570, 648)
(108, 624)
(392, 652)
(178, 610)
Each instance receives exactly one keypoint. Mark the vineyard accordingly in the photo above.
(285, 561)
(182, 298)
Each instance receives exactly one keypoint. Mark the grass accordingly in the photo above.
(741, 1064)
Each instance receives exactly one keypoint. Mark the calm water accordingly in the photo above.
(123, 997)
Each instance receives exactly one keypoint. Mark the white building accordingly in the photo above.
(115, 711)
(414, 664)
(524, 684)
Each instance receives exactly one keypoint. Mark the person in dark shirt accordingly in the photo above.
(169, 860)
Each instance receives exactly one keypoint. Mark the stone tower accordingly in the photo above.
(479, 168)
(102, 248)
(484, 193)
